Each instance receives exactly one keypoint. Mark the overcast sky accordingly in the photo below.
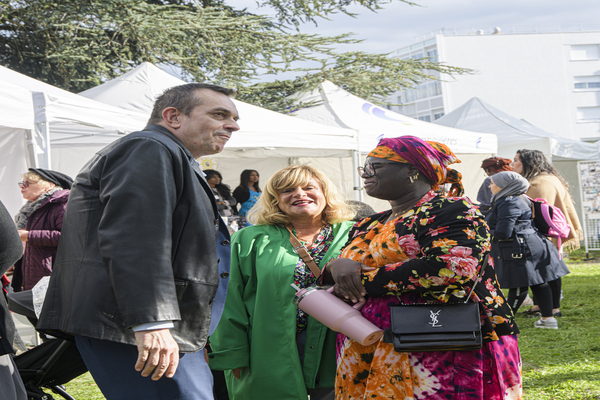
(398, 23)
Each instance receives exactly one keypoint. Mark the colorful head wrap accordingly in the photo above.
(431, 158)
(496, 164)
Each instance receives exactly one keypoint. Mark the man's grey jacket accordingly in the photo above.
(141, 242)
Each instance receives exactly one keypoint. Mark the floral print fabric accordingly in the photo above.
(430, 253)
(303, 276)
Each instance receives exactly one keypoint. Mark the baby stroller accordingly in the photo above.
(51, 364)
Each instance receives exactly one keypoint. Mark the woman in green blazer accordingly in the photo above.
(268, 348)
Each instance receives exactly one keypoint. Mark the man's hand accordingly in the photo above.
(346, 274)
(23, 234)
(158, 352)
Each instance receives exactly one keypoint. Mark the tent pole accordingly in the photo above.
(358, 195)
(41, 135)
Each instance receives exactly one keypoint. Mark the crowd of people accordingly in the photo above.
(144, 273)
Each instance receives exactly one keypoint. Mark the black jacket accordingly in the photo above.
(138, 245)
(11, 249)
(522, 255)
(241, 194)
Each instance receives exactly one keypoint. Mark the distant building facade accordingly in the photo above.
(548, 76)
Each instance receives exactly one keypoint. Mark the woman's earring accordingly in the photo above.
(413, 178)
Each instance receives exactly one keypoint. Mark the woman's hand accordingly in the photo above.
(346, 274)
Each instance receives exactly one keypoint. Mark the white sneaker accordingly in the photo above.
(549, 323)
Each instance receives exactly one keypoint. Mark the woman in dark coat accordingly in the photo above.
(39, 223)
(522, 256)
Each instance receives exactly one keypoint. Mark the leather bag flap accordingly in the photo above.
(420, 319)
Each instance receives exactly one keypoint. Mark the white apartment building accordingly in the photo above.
(546, 75)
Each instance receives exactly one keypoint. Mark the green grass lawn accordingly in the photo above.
(557, 364)
(565, 363)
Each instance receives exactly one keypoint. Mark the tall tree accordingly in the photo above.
(78, 44)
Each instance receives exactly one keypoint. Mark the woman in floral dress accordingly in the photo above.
(427, 248)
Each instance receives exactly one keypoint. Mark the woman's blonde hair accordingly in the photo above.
(267, 212)
(32, 176)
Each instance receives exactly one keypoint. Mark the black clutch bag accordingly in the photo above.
(436, 326)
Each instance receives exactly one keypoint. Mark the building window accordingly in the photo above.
(433, 55)
(431, 89)
(587, 82)
(410, 96)
(588, 114)
(422, 91)
(581, 52)
(399, 99)
(425, 118)
(438, 116)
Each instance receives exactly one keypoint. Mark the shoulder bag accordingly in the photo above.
(436, 326)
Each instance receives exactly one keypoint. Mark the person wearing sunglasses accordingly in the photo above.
(428, 248)
(39, 222)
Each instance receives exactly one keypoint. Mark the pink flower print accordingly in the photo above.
(409, 245)
(460, 261)
(437, 231)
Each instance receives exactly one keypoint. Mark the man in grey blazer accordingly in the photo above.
(143, 258)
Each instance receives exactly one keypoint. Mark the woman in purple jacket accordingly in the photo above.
(39, 223)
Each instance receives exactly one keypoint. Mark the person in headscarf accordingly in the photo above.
(39, 222)
(523, 256)
(491, 166)
(426, 248)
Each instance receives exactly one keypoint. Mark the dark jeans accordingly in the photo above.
(112, 367)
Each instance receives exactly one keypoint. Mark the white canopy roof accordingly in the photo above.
(263, 133)
(342, 109)
(514, 134)
(36, 117)
(16, 104)
(73, 119)
(16, 123)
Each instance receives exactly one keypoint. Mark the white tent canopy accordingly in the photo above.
(50, 117)
(270, 139)
(514, 134)
(336, 107)
(263, 133)
(16, 124)
(339, 108)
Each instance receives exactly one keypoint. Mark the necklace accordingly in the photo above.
(394, 215)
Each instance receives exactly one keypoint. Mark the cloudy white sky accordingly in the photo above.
(397, 24)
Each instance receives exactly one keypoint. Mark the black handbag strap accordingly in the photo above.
(483, 267)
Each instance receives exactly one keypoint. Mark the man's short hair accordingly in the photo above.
(184, 99)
